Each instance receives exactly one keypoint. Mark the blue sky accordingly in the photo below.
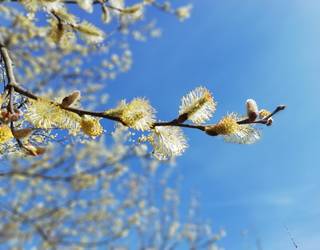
(267, 50)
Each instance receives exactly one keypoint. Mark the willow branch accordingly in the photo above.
(76, 2)
(174, 122)
(264, 120)
(8, 65)
(66, 1)
(82, 112)
(12, 86)
(25, 218)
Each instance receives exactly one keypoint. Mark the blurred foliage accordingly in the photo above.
(65, 182)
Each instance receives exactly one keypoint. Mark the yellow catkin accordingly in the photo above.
(91, 127)
(5, 134)
(197, 106)
(200, 103)
(263, 113)
(226, 126)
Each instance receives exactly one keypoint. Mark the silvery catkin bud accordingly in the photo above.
(252, 109)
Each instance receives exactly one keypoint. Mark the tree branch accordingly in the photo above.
(12, 86)
(174, 122)
(25, 218)
(76, 2)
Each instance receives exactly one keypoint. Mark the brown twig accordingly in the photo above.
(8, 65)
(12, 86)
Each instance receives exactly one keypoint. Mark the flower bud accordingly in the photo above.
(269, 121)
(14, 117)
(4, 115)
(106, 16)
(22, 133)
(252, 110)
(70, 99)
(7, 117)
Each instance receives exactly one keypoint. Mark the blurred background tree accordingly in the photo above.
(71, 178)
(64, 190)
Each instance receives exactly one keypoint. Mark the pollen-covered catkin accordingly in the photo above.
(91, 126)
(265, 113)
(5, 133)
(226, 126)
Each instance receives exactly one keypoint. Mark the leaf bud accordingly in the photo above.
(70, 99)
(252, 110)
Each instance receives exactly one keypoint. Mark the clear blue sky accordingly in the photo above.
(268, 50)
